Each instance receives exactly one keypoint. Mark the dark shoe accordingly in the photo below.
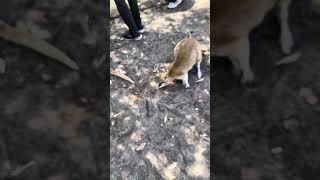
(127, 35)
(141, 30)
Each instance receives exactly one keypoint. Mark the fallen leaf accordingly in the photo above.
(153, 84)
(155, 161)
(289, 59)
(115, 115)
(28, 40)
(113, 37)
(121, 75)
(137, 136)
(141, 146)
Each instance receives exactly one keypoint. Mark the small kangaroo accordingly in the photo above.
(232, 23)
(187, 53)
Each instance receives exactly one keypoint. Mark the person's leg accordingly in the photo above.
(127, 17)
(135, 13)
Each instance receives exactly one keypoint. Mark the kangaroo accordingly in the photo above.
(232, 23)
(187, 53)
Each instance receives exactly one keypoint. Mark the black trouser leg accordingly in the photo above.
(135, 13)
(172, 0)
(127, 17)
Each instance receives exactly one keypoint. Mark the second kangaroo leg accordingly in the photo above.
(241, 53)
(286, 39)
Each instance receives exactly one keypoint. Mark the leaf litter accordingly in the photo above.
(28, 40)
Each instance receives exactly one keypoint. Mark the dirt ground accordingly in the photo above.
(157, 134)
(53, 119)
(273, 131)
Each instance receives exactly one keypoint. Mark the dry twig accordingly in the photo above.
(22, 168)
(289, 59)
(121, 75)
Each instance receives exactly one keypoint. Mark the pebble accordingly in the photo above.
(276, 150)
